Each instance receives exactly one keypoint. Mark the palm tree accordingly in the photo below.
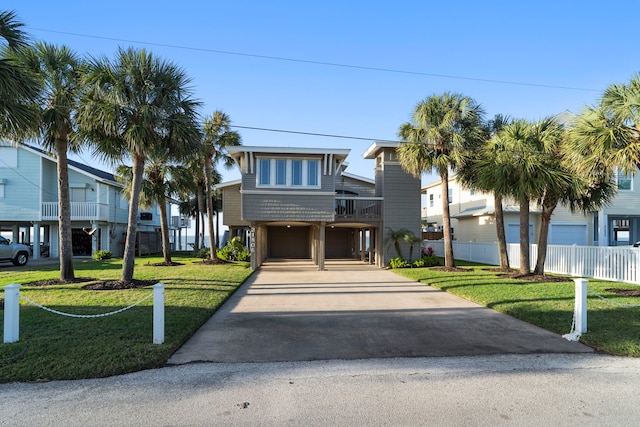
(610, 131)
(158, 182)
(133, 105)
(394, 238)
(523, 156)
(478, 172)
(217, 136)
(411, 239)
(442, 127)
(59, 71)
(18, 87)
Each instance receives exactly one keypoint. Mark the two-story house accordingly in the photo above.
(300, 203)
(29, 206)
(473, 217)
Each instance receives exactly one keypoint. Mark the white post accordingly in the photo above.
(11, 313)
(158, 313)
(581, 305)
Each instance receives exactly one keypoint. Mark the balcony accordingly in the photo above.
(358, 208)
(80, 211)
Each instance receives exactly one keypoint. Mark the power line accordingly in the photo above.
(323, 63)
(326, 135)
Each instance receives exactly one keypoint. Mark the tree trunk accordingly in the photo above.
(502, 239)
(202, 209)
(64, 213)
(543, 239)
(196, 239)
(446, 221)
(128, 262)
(164, 230)
(208, 170)
(525, 262)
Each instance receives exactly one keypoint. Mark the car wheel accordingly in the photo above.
(21, 259)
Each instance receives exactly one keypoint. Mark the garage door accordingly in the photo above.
(513, 233)
(568, 234)
(288, 242)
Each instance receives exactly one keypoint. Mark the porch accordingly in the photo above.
(80, 211)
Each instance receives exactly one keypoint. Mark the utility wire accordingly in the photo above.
(328, 64)
(326, 135)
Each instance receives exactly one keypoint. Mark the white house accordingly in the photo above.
(29, 206)
(473, 217)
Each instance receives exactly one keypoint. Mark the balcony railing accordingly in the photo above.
(80, 211)
(358, 208)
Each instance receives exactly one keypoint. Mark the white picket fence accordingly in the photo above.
(620, 264)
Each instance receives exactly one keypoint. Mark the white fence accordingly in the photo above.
(620, 264)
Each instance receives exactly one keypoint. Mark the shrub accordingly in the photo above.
(234, 251)
(201, 253)
(100, 255)
(428, 251)
(426, 261)
(398, 263)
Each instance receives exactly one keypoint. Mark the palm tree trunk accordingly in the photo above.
(64, 210)
(208, 170)
(202, 209)
(164, 230)
(502, 238)
(446, 221)
(128, 262)
(543, 238)
(525, 262)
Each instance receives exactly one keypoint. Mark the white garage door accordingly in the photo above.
(568, 234)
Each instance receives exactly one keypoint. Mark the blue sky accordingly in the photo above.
(483, 48)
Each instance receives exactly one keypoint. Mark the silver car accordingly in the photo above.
(17, 253)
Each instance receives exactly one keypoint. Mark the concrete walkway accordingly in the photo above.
(289, 311)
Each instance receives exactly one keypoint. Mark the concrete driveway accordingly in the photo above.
(289, 311)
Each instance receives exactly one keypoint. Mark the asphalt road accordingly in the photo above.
(523, 390)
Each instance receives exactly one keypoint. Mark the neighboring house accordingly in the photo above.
(473, 219)
(300, 203)
(29, 206)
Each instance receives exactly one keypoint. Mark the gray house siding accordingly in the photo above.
(359, 187)
(287, 207)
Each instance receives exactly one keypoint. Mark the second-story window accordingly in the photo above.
(430, 200)
(282, 172)
(624, 180)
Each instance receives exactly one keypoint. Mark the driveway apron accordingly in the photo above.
(289, 311)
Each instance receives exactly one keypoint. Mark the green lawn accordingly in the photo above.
(610, 328)
(56, 347)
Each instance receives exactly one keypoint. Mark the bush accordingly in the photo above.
(234, 251)
(428, 251)
(201, 253)
(100, 255)
(398, 263)
(426, 261)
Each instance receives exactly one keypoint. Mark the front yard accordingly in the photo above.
(56, 347)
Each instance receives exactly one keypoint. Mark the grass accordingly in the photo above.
(56, 347)
(611, 328)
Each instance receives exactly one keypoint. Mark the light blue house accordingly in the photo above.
(29, 206)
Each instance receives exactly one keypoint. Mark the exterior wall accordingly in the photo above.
(276, 206)
(22, 187)
(401, 208)
(232, 206)
(361, 188)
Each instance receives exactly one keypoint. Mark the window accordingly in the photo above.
(624, 181)
(313, 170)
(265, 171)
(596, 227)
(450, 195)
(1, 189)
(296, 172)
(430, 200)
(281, 172)
(472, 192)
(78, 194)
(288, 173)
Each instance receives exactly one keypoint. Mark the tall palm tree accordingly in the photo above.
(610, 131)
(133, 105)
(477, 171)
(18, 87)
(442, 127)
(522, 155)
(59, 71)
(158, 182)
(217, 136)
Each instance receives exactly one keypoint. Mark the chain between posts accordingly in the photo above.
(84, 316)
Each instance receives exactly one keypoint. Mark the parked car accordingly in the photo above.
(17, 253)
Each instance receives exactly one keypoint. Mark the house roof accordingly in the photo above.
(228, 184)
(373, 149)
(88, 170)
(484, 211)
(358, 177)
(343, 152)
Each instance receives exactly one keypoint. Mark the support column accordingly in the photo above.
(321, 246)
(603, 236)
(363, 243)
(36, 241)
(252, 248)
